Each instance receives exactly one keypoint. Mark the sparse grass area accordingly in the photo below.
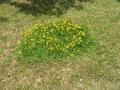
(98, 68)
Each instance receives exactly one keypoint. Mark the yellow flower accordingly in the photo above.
(83, 34)
(67, 46)
(36, 25)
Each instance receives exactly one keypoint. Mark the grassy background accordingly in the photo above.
(97, 69)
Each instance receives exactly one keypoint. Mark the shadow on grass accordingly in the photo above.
(3, 19)
(48, 7)
(4, 1)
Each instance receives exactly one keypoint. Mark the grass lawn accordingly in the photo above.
(98, 68)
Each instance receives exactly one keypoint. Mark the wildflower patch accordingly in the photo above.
(59, 38)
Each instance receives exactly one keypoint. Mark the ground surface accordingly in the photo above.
(97, 69)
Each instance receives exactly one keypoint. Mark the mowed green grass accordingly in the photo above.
(98, 68)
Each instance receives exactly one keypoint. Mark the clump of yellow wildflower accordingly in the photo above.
(55, 38)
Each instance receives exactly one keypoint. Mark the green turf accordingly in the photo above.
(98, 68)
